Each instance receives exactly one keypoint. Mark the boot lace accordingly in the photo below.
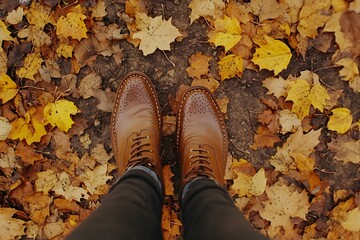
(139, 146)
(200, 163)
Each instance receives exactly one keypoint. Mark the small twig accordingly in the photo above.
(323, 68)
(62, 94)
(38, 88)
(327, 85)
(243, 151)
(168, 58)
(322, 170)
(163, 11)
(38, 151)
(88, 49)
(208, 24)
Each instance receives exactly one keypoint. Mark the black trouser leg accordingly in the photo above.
(209, 213)
(132, 210)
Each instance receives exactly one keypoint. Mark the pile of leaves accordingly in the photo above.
(49, 53)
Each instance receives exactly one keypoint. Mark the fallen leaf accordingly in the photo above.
(267, 9)
(38, 206)
(274, 55)
(64, 188)
(5, 128)
(3, 61)
(31, 66)
(100, 154)
(64, 50)
(8, 88)
(209, 9)
(169, 125)
(303, 163)
(277, 86)
(156, 33)
(27, 154)
(170, 223)
(340, 121)
(89, 84)
(230, 66)
(288, 121)
(99, 10)
(11, 228)
(94, 179)
(58, 114)
(4, 34)
(246, 185)
(53, 229)
(264, 138)
(38, 15)
(168, 184)
(350, 72)
(345, 148)
(284, 203)
(199, 65)
(209, 83)
(15, 16)
(72, 25)
(223, 104)
(352, 220)
(304, 95)
(227, 32)
(312, 17)
(64, 204)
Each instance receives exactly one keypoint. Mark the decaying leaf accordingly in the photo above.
(32, 65)
(352, 220)
(15, 16)
(277, 86)
(230, 66)
(246, 185)
(168, 184)
(209, 9)
(5, 128)
(155, 33)
(11, 228)
(346, 149)
(58, 114)
(94, 179)
(274, 55)
(72, 25)
(199, 65)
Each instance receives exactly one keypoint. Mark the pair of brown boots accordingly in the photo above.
(136, 131)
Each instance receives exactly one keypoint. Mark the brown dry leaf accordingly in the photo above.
(38, 206)
(223, 103)
(168, 184)
(100, 9)
(267, 9)
(15, 16)
(297, 143)
(288, 121)
(94, 179)
(89, 84)
(199, 65)
(170, 223)
(276, 85)
(312, 17)
(284, 203)
(64, 187)
(10, 228)
(27, 154)
(100, 155)
(209, 9)
(333, 25)
(270, 119)
(345, 148)
(169, 125)
(246, 185)
(5, 128)
(352, 220)
(264, 138)
(53, 229)
(106, 99)
(210, 83)
(239, 11)
(63, 204)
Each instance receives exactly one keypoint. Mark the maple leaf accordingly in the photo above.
(340, 121)
(38, 206)
(277, 86)
(246, 185)
(72, 25)
(209, 9)
(304, 95)
(27, 154)
(155, 33)
(284, 203)
(169, 125)
(199, 65)
(106, 99)
(11, 228)
(5, 128)
(350, 72)
(8, 88)
(99, 10)
(297, 143)
(210, 83)
(94, 179)
(274, 55)
(35, 35)
(63, 187)
(32, 64)
(15, 16)
(311, 17)
(65, 50)
(58, 114)
(89, 84)
(30, 128)
(264, 138)
(345, 148)
(227, 32)
(38, 15)
(230, 66)
(170, 223)
(288, 121)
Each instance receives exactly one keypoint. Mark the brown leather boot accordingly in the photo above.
(136, 124)
(201, 137)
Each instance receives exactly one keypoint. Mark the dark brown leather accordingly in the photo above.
(136, 124)
(201, 137)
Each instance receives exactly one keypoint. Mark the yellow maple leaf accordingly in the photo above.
(4, 34)
(32, 64)
(58, 114)
(304, 95)
(64, 50)
(8, 88)
(199, 65)
(38, 15)
(72, 25)
(350, 68)
(230, 66)
(227, 32)
(155, 33)
(340, 121)
(209, 9)
(246, 185)
(30, 128)
(274, 55)
(35, 35)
